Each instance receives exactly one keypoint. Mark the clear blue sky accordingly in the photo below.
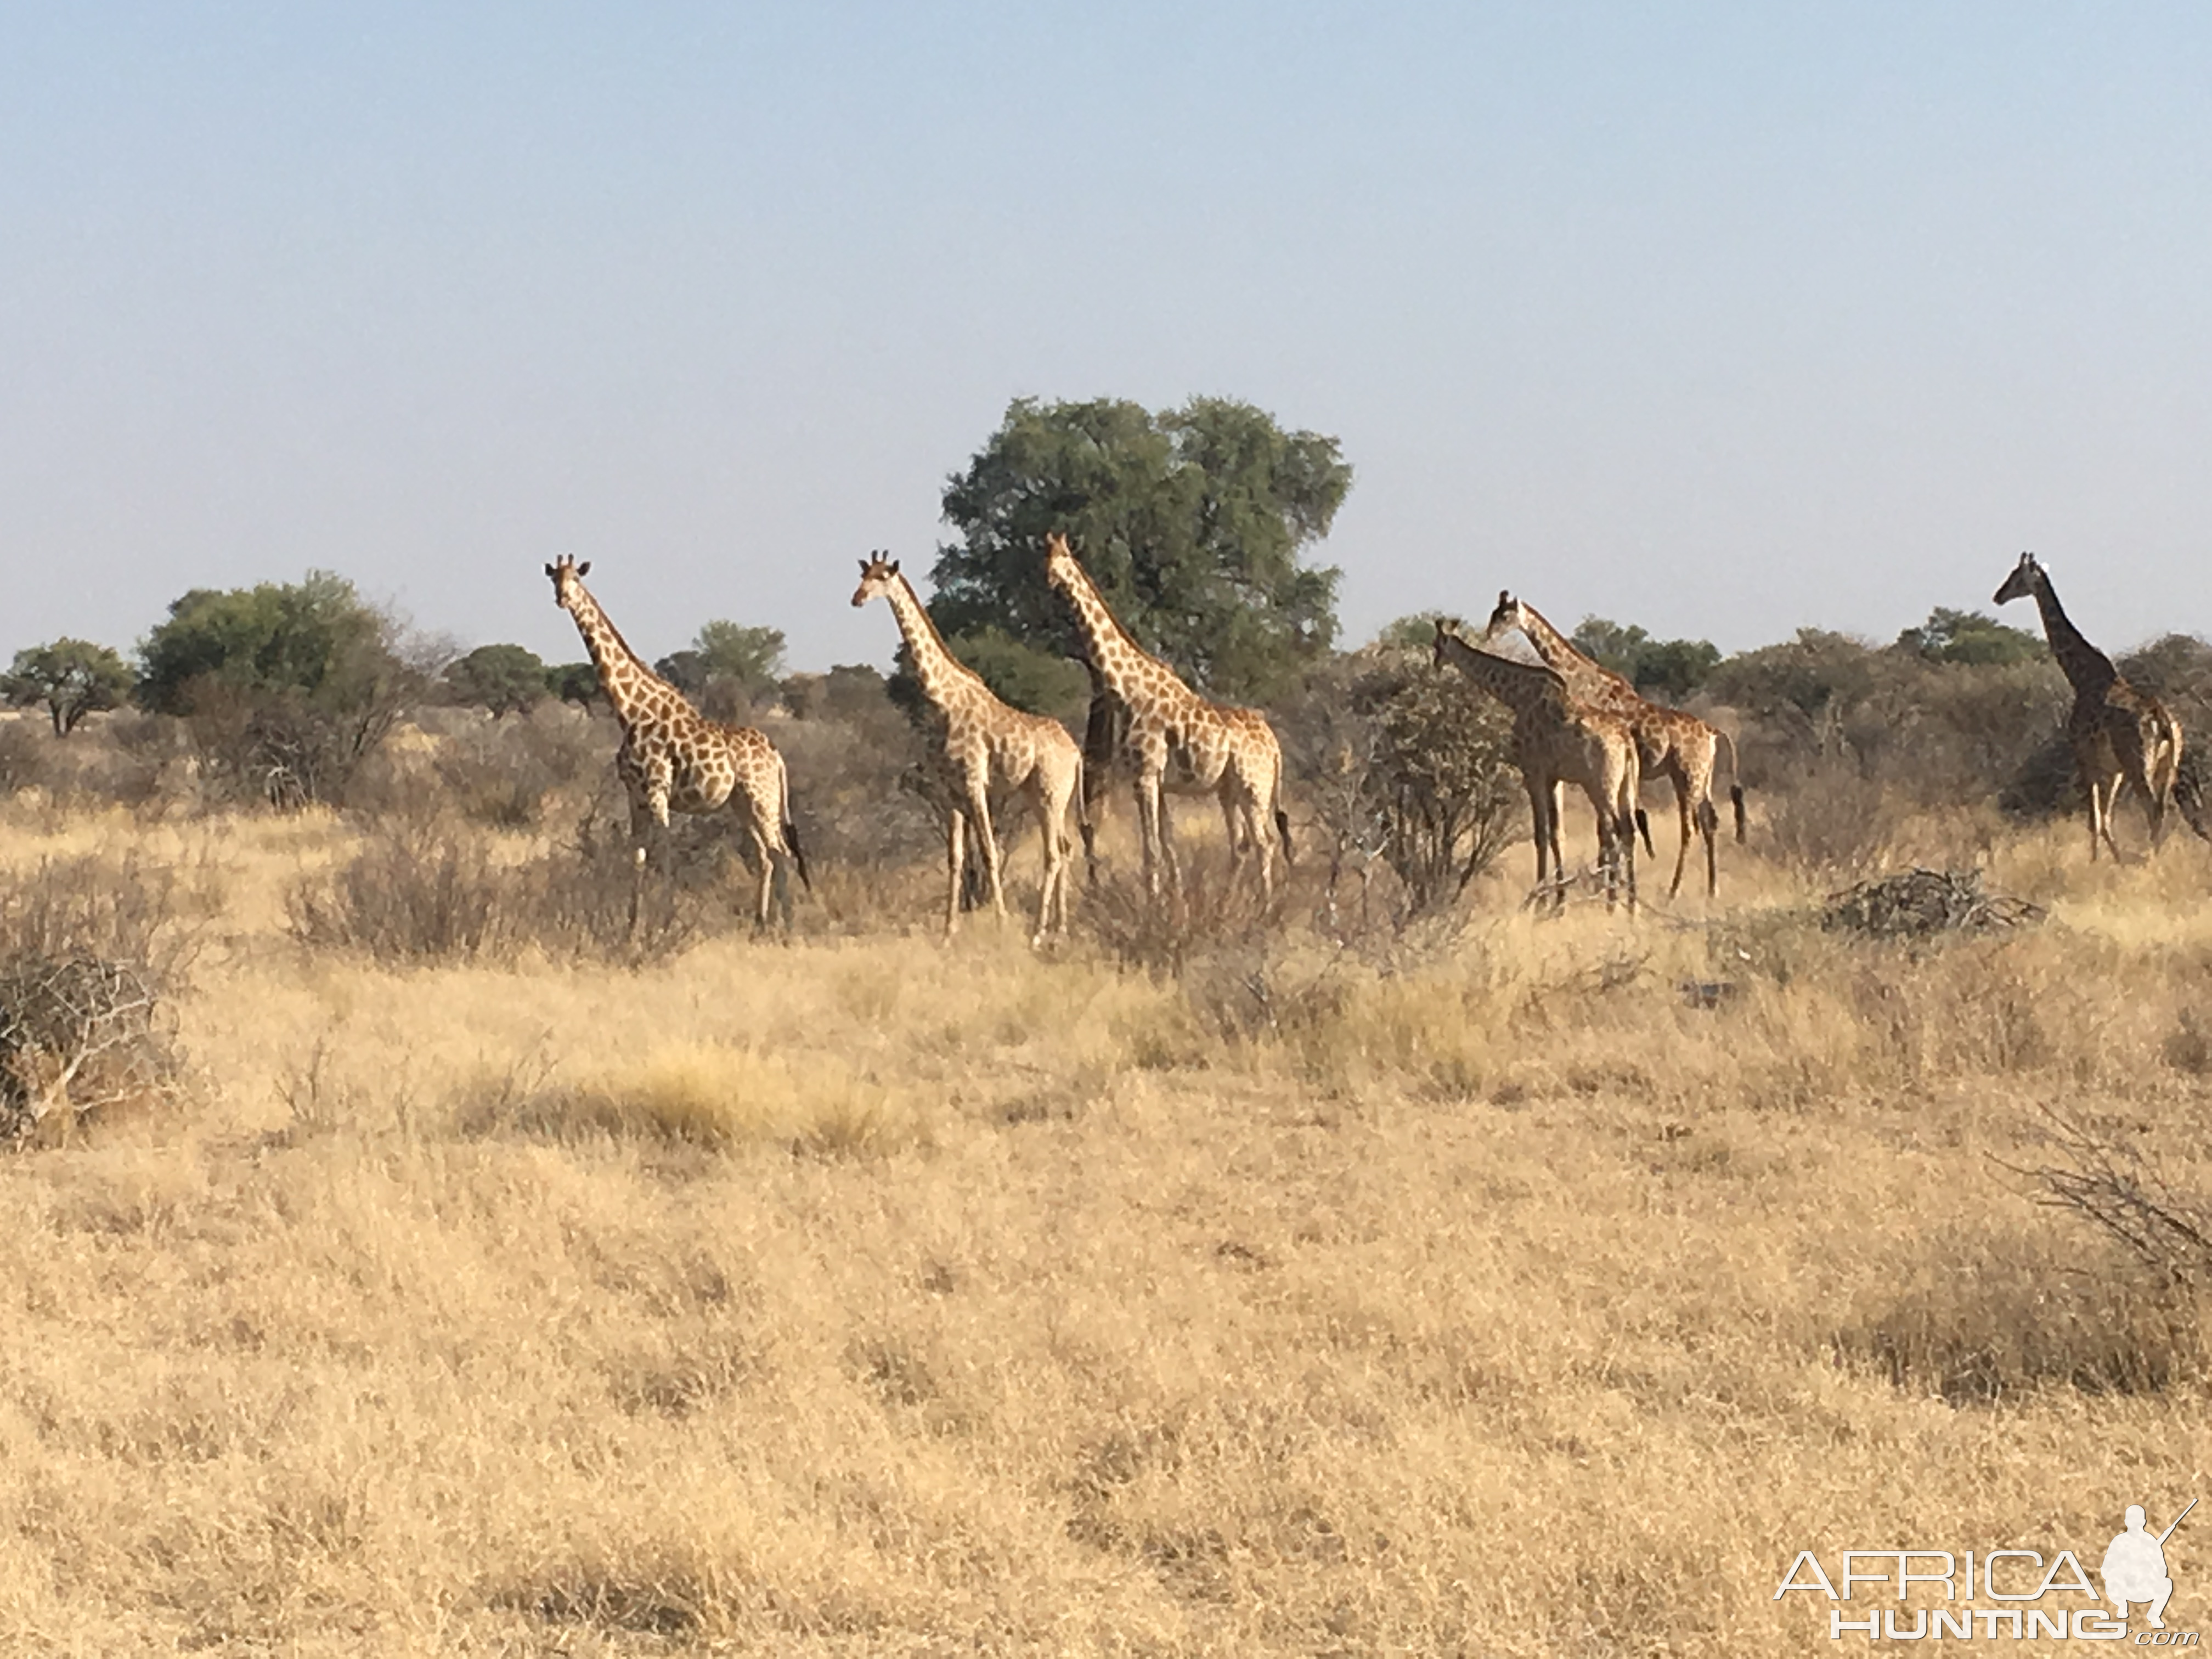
(1723, 320)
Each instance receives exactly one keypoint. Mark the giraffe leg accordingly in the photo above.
(1615, 825)
(956, 856)
(1049, 812)
(1554, 816)
(1158, 837)
(1682, 852)
(1148, 833)
(2155, 790)
(766, 878)
(1171, 865)
(649, 831)
(1628, 849)
(1537, 833)
(987, 841)
(2103, 805)
(1609, 853)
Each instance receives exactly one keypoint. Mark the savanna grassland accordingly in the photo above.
(1466, 1288)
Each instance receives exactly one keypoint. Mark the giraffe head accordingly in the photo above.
(1508, 614)
(567, 579)
(877, 576)
(1060, 568)
(1440, 652)
(2020, 585)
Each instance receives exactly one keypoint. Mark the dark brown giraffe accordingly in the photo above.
(1669, 743)
(2120, 736)
(1177, 738)
(1558, 739)
(981, 739)
(673, 759)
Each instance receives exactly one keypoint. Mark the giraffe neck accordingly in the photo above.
(623, 673)
(938, 670)
(1518, 686)
(1120, 660)
(1560, 652)
(2085, 668)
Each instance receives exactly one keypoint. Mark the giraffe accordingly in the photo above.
(1558, 739)
(984, 738)
(2120, 736)
(1669, 742)
(674, 759)
(1177, 738)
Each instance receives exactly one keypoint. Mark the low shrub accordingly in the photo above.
(90, 950)
(438, 891)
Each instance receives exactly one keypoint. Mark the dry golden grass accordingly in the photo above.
(861, 1294)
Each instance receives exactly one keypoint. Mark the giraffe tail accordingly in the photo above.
(1282, 818)
(1736, 782)
(790, 829)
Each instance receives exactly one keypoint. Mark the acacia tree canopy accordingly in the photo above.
(71, 677)
(317, 637)
(290, 681)
(1192, 521)
(507, 679)
(1671, 668)
(726, 665)
(1973, 637)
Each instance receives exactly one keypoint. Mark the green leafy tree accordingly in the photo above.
(1040, 682)
(287, 686)
(1611, 644)
(1971, 637)
(1672, 669)
(574, 682)
(687, 670)
(726, 668)
(1663, 668)
(753, 657)
(507, 679)
(1818, 670)
(1192, 521)
(71, 677)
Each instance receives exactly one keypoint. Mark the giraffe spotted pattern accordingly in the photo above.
(2119, 736)
(1670, 743)
(981, 739)
(1178, 739)
(1559, 739)
(673, 759)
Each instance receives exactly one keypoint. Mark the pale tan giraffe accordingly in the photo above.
(1558, 739)
(2120, 736)
(981, 739)
(1669, 743)
(1177, 739)
(673, 759)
